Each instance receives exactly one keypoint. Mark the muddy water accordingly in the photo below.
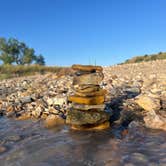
(28, 143)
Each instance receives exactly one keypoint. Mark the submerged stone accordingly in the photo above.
(101, 126)
(87, 100)
(77, 117)
(53, 120)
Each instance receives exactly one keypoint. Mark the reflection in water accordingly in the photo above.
(30, 144)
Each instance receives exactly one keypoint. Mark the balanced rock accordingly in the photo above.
(87, 111)
(84, 107)
(86, 88)
(87, 100)
(99, 92)
(92, 79)
(77, 117)
(101, 126)
(87, 68)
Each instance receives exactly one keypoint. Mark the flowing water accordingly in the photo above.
(28, 143)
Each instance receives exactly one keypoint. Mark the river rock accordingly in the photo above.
(24, 116)
(101, 126)
(148, 103)
(56, 100)
(53, 120)
(100, 92)
(86, 68)
(155, 120)
(87, 100)
(86, 88)
(2, 149)
(88, 107)
(92, 79)
(76, 117)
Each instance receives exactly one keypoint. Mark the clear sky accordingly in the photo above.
(104, 32)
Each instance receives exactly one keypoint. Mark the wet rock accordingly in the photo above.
(24, 116)
(148, 103)
(53, 120)
(2, 149)
(77, 117)
(101, 126)
(14, 138)
(155, 120)
(139, 157)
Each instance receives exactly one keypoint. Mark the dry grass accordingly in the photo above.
(9, 71)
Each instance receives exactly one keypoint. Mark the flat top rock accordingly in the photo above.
(87, 68)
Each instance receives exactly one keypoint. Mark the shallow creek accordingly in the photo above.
(28, 143)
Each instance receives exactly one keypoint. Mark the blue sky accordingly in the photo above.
(102, 32)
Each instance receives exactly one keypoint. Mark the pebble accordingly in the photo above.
(14, 138)
(2, 149)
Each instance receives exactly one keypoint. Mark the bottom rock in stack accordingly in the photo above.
(88, 119)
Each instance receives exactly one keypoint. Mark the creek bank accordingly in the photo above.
(135, 92)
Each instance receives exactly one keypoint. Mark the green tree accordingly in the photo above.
(13, 51)
(6, 52)
(40, 60)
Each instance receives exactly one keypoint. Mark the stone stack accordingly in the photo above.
(87, 109)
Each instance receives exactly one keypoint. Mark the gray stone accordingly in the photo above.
(88, 107)
(77, 117)
(93, 79)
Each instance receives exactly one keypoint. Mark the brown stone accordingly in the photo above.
(53, 120)
(87, 100)
(86, 88)
(101, 126)
(92, 79)
(10, 109)
(78, 117)
(24, 116)
(2, 149)
(87, 68)
(100, 92)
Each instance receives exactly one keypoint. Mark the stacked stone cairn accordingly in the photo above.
(87, 111)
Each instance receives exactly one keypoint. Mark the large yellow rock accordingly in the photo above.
(148, 103)
(101, 126)
(87, 100)
(87, 68)
(100, 92)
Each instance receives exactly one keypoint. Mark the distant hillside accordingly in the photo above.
(145, 58)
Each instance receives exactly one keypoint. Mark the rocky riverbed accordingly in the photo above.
(135, 92)
(136, 98)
